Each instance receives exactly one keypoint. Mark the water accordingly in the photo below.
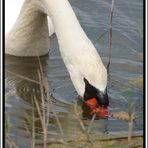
(126, 63)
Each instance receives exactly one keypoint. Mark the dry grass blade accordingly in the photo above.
(51, 109)
(110, 35)
(10, 143)
(38, 109)
(78, 118)
(33, 126)
(45, 95)
(91, 123)
(23, 77)
(61, 129)
(45, 128)
(86, 131)
(27, 129)
(49, 101)
(40, 67)
(45, 85)
(130, 127)
(131, 119)
(42, 96)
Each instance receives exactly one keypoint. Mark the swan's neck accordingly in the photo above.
(78, 52)
(66, 25)
(29, 35)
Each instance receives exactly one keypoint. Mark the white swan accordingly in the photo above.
(12, 9)
(29, 37)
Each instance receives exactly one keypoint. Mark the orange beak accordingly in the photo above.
(101, 111)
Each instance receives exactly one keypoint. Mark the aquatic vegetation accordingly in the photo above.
(42, 112)
(137, 82)
(101, 36)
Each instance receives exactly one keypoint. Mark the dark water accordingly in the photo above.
(126, 64)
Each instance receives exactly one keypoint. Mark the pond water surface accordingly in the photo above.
(126, 64)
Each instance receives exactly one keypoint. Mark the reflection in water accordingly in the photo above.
(22, 102)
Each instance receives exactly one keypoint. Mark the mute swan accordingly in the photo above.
(29, 37)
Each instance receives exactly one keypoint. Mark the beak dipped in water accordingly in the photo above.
(100, 110)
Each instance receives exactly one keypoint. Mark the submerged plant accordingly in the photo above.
(101, 36)
(11, 143)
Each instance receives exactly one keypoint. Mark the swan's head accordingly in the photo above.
(96, 100)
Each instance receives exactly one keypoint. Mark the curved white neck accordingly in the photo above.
(67, 27)
(29, 37)
(78, 52)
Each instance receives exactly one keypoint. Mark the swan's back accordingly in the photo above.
(29, 33)
(12, 10)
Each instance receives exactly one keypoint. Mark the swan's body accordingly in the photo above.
(12, 9)
(78, 52)
(29, 35)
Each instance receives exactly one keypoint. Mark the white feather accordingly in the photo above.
(12, 10)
